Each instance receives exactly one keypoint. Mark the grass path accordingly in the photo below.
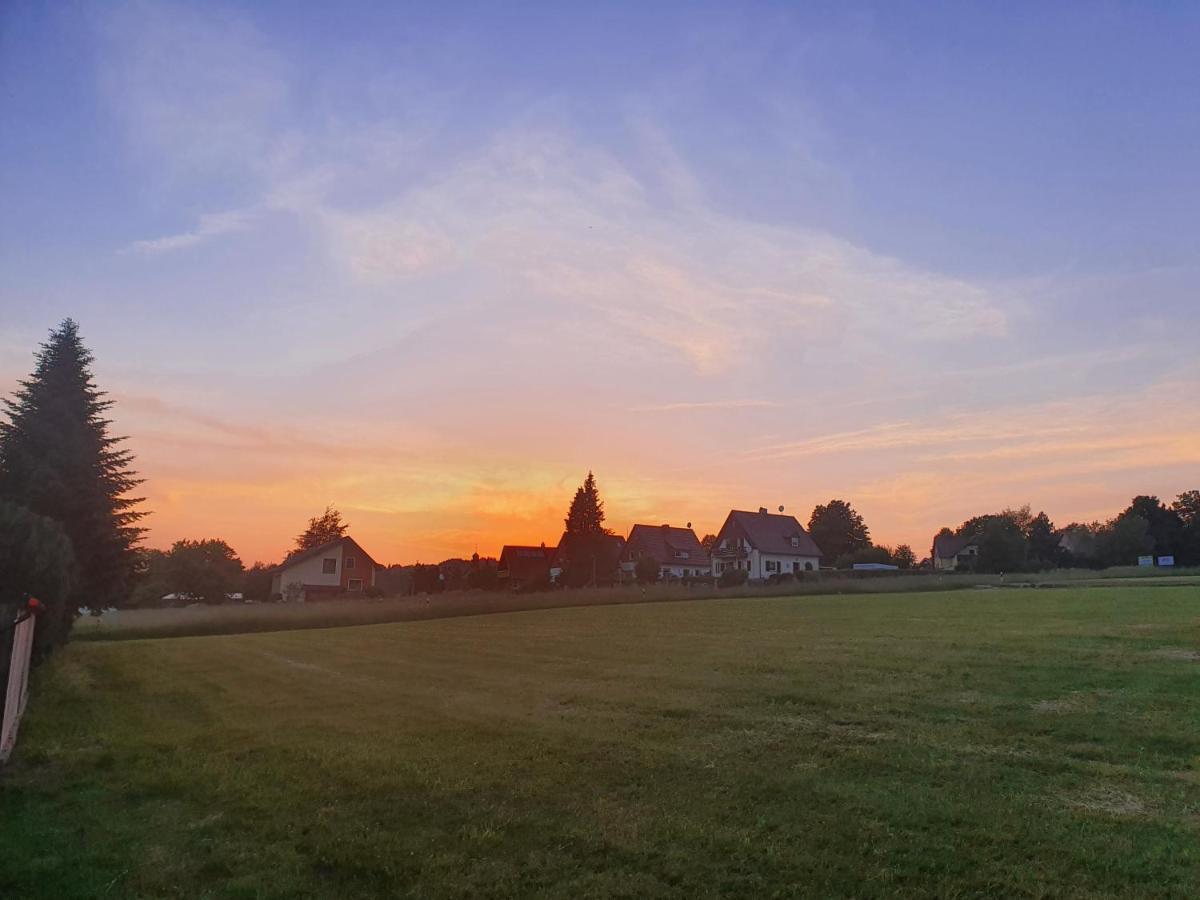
(992, 743)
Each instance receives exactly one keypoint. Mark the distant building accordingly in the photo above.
(523, 565)
(764, 544)
(951, 551)
(340, 566)
(677, 551)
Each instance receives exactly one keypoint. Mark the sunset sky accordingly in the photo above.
(432, 263)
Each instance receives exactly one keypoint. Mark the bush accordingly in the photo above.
(373, 592)
(37, 561)
(733, 578)
(646, 570)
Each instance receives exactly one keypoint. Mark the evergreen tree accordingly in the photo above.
(591, 554)
(321, 530)
(904, 556)
(58, 460)
(586, 515)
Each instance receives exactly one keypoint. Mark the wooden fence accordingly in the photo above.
(17, 692)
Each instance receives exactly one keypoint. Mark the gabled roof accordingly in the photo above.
(521, 561)
(662, 542)
(772, 533)
(947, 546)
(323, 548)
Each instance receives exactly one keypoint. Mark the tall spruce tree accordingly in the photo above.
(58, 460)
(586, 515)
(591, 553)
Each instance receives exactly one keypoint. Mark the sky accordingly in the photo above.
(432, 263)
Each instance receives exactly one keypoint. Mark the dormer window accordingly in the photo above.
(682, 554)
(795, 542)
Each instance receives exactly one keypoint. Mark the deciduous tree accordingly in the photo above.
(321, 530)
(838, 529)
(207, 570)
(904, 557)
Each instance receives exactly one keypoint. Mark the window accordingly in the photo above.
(795, 542)
(772, 565)
(682, 554)
(354, 584)
(349, 562)
(329, 567)
(808, 567)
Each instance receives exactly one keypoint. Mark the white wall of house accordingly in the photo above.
(311, 572)
(764, 565)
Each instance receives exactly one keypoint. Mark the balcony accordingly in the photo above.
(729, 553)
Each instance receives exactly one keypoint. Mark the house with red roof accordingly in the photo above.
(764, 544)
(339, 567)
(677, 551)
(521, 565)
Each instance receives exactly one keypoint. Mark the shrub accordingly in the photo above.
(37, 561)
(646, 570)
(373, 592)
(733, 578)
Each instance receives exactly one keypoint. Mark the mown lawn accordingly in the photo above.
(977, 743)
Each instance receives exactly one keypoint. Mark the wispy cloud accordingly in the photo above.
(701, 405)
(209, 226)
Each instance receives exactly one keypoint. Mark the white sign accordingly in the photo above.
(1145, 560)
(1166, 560)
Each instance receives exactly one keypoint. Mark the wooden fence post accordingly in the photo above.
(17, 693)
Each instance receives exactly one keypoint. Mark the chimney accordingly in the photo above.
(762, 510)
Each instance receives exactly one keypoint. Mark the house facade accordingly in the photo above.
(520, 565)
(951, 552)
(764, 544)
(338, 567)
(677, 551)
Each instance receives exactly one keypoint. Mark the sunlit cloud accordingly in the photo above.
(440, 321)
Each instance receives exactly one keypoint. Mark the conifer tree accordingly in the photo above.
(586, 515)
(58, 460)
(590, 554)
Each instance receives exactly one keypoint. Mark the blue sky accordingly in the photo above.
(725, 256)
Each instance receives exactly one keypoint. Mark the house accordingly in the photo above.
(522, 565)
(951, 551)
(676, 550)
(340, 566)
(764, 544)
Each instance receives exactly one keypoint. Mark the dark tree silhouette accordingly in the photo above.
(838, 529)
(588, 548)
(321, 530)
(58, 460)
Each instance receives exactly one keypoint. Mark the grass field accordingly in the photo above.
(974, 743)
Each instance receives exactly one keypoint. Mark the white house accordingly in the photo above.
(340, 566)
(764, 544)
(677, 551)
(952, 552)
